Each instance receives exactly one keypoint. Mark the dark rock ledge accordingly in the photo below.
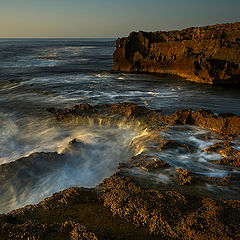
(132, 207)
(209, 54)
(226, 124)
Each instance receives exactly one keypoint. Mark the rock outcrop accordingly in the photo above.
(122, 209)
(227, 125)
(209, 54)
(226, 149)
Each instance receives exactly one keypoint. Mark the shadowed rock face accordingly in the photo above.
(208, 54)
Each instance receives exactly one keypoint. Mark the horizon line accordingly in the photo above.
(140, 30)
(58, 37)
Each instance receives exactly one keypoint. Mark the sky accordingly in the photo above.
(108, 18)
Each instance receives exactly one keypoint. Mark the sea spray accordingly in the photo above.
(83, 154)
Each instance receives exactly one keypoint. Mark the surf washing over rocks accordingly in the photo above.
(44, 156)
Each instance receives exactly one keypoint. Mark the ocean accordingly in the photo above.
(39, 73)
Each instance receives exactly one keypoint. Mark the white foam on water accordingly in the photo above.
(63, 51)
(96, 156)
(195, 158)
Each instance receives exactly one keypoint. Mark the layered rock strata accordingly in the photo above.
(209, 54)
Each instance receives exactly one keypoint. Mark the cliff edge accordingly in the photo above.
(209, 54)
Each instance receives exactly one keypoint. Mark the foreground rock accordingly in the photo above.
(121, 209)
(209, 54)
(171, 214)
(75, 213)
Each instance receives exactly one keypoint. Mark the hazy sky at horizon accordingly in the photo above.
(105, 18)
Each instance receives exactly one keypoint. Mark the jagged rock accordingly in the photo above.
(232, 155)
(183, 116)
(153, 165)
(184, 176)
(82, 213)
(75, 213)
(230, 161)
(224, 148)
(67, 230)
(145, 162)
(230, 179)
(172, 144)
(209, 54)
(170, 214)
(128, 109)
(84, 108)
(226, 124)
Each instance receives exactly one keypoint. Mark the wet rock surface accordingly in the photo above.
(173, 144)
(27, 171)
(185, 176)
(224, 124)
(226, 149)
(145, 162)
(208, 54)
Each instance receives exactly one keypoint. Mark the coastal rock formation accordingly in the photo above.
(209, 54)
(72, 214)
(67, 230)
(226, 149)
(227, 125)
(184, 176)
(119, 208)
(170, 214)
(172, 144)
(145, 162)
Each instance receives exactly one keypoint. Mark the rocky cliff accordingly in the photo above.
(209, 54)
